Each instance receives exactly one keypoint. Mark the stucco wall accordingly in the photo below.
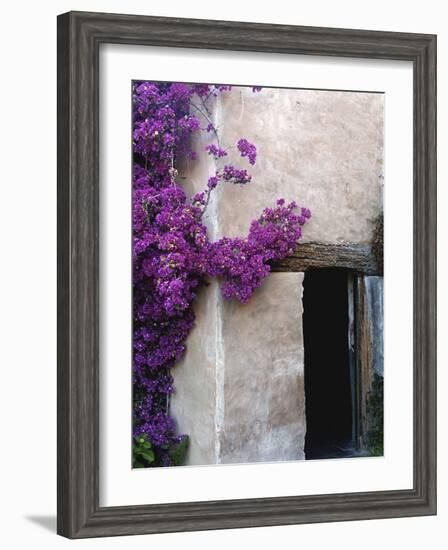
(263, 413)
(240, 387)
(194, 403)
(322, 149)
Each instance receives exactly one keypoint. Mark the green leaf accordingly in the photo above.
(148, 455)
(177, 453)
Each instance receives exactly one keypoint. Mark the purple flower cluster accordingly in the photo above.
(247, 150)
(244, 263)
(217, 152)
(172, 255)
(235, 175)
(168, 260)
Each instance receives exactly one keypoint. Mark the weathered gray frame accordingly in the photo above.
(79, 37)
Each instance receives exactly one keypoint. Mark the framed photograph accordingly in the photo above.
(246, 274)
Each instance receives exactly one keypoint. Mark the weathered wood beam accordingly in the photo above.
(360, 258)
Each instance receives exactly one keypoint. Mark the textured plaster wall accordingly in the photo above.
(322, 149)
(194, 403)
(263, 416)
(240, 388)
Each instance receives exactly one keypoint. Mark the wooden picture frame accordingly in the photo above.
(79, 38)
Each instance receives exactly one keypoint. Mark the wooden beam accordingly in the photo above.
(360, 258)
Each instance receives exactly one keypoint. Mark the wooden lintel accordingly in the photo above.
(358, 257)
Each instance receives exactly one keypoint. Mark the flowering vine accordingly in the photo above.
(173, 256)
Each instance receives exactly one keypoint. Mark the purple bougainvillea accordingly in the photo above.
(172, 254)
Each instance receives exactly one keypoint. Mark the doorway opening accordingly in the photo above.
(329, 380)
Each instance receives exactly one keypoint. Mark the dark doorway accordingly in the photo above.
(327, 366)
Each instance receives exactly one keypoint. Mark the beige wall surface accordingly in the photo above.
(240, 387)
(263, 412)
(322, 149)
